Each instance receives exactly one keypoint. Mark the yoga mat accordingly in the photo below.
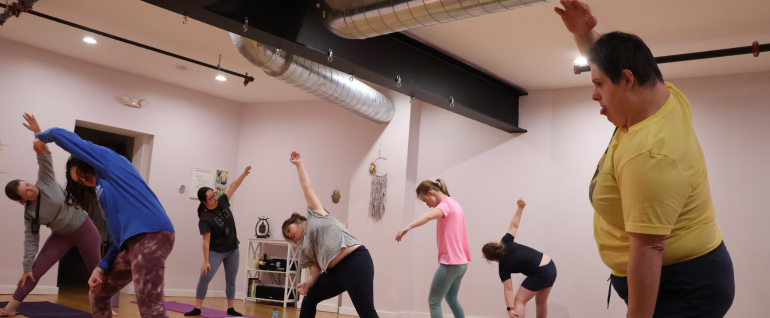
(44, 309)
(205, 312)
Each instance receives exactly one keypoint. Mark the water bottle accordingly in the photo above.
(275, 313)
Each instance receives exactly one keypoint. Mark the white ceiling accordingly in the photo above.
(147, 24)
(527, 47)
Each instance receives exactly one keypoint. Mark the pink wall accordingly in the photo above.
(191, 129)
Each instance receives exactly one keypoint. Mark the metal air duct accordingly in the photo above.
(361, 19)
(327, 83)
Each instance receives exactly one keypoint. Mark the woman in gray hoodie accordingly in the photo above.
(44, 204)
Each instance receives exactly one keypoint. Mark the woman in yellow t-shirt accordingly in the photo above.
(654, 221)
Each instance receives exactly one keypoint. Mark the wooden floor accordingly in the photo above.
(78, 299)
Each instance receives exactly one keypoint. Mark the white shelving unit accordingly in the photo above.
(291, 277)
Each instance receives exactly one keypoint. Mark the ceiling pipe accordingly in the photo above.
(322, 81)
(16, 8)
(361, 19)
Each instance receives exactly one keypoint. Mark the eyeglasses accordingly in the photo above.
(212, 197)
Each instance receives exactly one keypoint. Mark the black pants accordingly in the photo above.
(354, 274)
(702, 287)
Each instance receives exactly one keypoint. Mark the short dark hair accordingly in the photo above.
(12, 190)
(618, 51)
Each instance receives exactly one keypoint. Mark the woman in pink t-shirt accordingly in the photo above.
(453, 252)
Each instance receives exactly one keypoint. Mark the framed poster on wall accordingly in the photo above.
(200, 178)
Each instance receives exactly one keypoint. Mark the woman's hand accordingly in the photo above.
(295, 158)
(302, 288)
(24, 278)
(205, 268)
(401, 234)
(521, 203)
(31, 123)
(95, 282)
(40, 147)
(512, 314)
(246, 171)
(576, 16)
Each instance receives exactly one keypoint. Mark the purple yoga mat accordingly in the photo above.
(44, 309)
(205, 312)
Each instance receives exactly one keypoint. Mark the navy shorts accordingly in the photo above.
(702, 287)
(542, 278)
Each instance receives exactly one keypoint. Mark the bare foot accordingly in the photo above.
(114, 313)
(4, 313)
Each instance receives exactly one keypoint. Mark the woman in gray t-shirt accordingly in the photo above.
(336, 259)
(45, 204)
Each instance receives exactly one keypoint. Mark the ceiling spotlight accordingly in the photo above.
(221, 78)
(89, 40)
(581, 61)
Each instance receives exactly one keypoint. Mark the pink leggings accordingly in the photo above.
(86, 238)
(144, 263)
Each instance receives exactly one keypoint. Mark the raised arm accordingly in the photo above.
(45, 172)
(304, 180)
(521, 203)
(420, 221)
(237, 183)
(96, 156)
(580, 22)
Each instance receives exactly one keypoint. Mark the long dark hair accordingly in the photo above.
(295, 218)
(77, 194)
(493, 251)
(202, 197)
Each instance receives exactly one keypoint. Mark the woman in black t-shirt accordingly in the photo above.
(220, 242)
(516, 258)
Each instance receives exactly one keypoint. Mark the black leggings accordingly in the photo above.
(354, 274)
(703, 287)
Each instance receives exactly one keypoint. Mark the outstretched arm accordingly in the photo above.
(96, 156)
(313, 202)
(420, 221)
(237, 183)
(580, 22)
(45, 172)
(517, 217)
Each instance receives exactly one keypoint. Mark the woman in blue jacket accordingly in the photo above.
(141, 232)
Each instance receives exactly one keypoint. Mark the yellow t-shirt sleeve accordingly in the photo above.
(653, 191)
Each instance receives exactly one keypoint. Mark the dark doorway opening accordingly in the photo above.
(72, 268)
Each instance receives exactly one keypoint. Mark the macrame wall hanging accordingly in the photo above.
(378, 194)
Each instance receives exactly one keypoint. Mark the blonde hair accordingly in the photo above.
(437, 185)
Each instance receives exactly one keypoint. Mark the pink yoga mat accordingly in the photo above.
(205, 312)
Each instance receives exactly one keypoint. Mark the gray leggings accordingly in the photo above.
(446, 284)
(231, 260)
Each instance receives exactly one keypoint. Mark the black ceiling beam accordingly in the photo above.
(426, 73)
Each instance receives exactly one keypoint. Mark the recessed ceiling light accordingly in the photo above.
(89, 40)
(221, 78)
(581, 61)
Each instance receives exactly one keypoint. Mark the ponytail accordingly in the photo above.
(437, 185)
(493, 251)
(295, 218)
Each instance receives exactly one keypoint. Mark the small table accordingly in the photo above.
(291, 279)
